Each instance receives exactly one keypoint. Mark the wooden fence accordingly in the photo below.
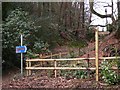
(97, 58)
(29, 66)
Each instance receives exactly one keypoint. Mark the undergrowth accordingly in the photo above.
(108, 75)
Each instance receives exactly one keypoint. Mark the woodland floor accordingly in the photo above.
(43, 81)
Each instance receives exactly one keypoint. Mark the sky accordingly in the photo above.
(99, 7)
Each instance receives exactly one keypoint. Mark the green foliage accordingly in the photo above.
(48, 31)
(80, 74)
(41, 47)
(38, 48)
(76, 43)
(90, 36)
(117, 35)
(115, 52)
(30, 54)
(110, 28)
(18, 22)
(118, 63)
(108, 75)
(74, 74)
(72, 54)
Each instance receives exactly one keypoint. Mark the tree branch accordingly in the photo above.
(98, 25)
(98, 14)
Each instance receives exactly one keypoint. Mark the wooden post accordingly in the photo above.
(27, 70)
(60, 55)
(40, 56)
(29, 66)
(51, 55)
(55, 64)
(96, 54)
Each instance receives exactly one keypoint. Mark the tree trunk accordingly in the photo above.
(118, 6)
(91, 2)
(80, 30)
(118, 31)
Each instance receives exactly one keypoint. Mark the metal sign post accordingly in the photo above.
(21, 49)
(21, 56)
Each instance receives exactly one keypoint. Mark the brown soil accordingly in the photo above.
(41, 80)
(37, 81)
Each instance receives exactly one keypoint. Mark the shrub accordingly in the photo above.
(80, 74)
(74, 74)
(16, 23)
(108, 75)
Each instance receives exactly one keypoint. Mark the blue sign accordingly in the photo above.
(21, 49)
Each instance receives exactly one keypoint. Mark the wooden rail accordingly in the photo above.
(51, 55)
(72, 59)
(59, 68)
(29, 67)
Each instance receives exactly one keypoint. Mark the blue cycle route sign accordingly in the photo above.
(21, 49)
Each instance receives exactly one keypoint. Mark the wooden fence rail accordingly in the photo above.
(72, 59)
(29, 67)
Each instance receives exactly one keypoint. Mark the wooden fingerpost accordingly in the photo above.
(55, 64)
(96, 53)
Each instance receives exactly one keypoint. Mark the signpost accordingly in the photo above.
(21, 49)
(21, 56)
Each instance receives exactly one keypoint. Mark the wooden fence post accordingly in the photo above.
(60, 55)
(40, 56)
(29, 66)
(55, 64)
(96, 54)
(51, 55)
